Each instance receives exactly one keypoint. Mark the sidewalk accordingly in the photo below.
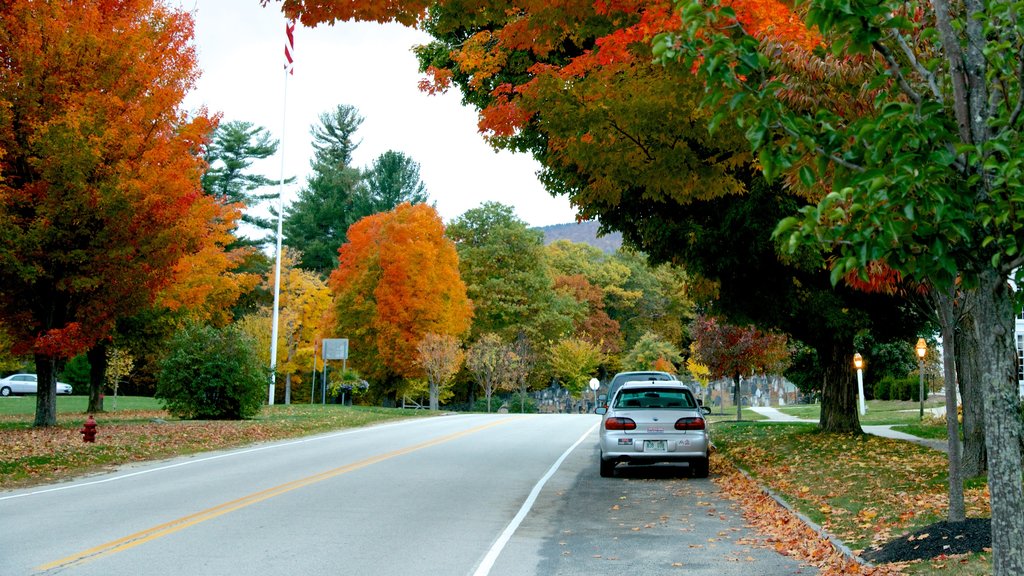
(885, 431)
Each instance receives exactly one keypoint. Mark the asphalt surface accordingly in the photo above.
(480, 495)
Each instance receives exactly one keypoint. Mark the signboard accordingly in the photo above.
(335, 348)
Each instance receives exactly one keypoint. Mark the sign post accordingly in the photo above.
(333, 349)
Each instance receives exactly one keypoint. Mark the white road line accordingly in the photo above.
(484, 569)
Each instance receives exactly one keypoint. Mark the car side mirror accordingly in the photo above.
(602, 410)
(602, 398)
(705, 410)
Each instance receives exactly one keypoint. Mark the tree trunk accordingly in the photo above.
(993, 327)
(944, 303)
(839, 411)
(97, 356)
(435, 392)
(968, 370)
(738, 398)
(46, 390)
(288, 388)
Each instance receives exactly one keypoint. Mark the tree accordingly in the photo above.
(521, 363)
(119, 367)
(487, 359)
(316, 223)
(733, 351)
(594, 325)
(441, 357)
(575, 361)
(305, 302)
(393, 178)
(397, 280)
(940, 140)
(232, 150)
(651, 349)
(100, 170)
(507, 277)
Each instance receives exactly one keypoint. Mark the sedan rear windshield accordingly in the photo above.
(655, 398)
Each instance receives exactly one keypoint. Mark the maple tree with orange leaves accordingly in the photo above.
(99, 170)
(397, 280)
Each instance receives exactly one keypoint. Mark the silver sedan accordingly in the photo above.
(26, 384)
(650, 422)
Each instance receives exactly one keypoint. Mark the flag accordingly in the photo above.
(289, 46)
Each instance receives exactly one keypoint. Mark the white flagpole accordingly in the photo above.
(289, 28)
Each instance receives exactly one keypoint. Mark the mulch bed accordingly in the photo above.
(941, 538)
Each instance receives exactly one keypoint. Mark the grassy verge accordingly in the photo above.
(879, 412)
(30, 456)
(864, 489)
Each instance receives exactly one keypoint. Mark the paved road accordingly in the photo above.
(473, 494)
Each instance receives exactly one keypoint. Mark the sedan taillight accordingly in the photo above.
(619, 424)
(690, 424)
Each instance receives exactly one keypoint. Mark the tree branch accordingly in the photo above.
(916, 64)
(897, 71)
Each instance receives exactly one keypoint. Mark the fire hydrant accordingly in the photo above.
(88, 430)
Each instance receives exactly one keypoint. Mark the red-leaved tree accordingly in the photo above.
(99, 170)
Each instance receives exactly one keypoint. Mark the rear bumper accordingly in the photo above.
(684, 449)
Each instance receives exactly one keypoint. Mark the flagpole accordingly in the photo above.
(289, 46)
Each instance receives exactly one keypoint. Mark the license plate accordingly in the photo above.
(654, 446)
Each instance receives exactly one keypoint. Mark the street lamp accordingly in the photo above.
(921, 350)
(858, 363)
(594, 385)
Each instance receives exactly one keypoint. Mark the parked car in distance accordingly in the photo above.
(654, 421)
(26, 384)
(622, 377)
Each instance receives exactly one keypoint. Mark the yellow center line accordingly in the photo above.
(141, 537)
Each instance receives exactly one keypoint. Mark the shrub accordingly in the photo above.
(212, 373)
(882, 388)
(516, 405)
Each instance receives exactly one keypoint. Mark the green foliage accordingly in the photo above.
(317, 222)
(521, 404)
(507, 276)
(76, 373)
(234, 147)
(897, 388)
(648, 350)
(393, 178)
(212, 373)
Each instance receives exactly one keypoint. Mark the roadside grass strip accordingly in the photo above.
(865, 490)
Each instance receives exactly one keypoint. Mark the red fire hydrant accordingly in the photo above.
(88, 430)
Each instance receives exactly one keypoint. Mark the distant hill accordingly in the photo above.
(583, 233)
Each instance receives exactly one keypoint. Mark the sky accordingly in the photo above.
(370, 66)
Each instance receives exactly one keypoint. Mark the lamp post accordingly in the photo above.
(921, 350)
(858, 363)
(594, 385)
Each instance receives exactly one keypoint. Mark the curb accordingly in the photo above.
(810, 523)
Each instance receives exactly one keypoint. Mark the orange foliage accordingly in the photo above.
(100, 171)
(397, 280)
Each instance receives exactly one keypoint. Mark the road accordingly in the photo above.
(502, 495)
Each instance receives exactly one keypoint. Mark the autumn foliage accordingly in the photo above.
(397, 280)
(99, 170)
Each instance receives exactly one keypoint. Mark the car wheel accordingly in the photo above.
(700, 468)
(607, 467)
(5, 391)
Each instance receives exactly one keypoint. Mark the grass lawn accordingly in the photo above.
(879, 412)
(140, 430)
(863, 489)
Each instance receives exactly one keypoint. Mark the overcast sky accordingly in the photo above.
(371, 67)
